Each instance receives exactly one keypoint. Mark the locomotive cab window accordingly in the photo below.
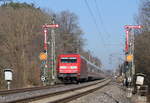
(69, 60)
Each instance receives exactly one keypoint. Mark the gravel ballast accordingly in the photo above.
(113, 93)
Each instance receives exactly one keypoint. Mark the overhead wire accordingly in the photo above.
(94, 19)
(98, 11)
(100, 17)
(95, 22)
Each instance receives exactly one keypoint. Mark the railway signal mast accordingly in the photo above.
(129, 52)
(53, 61)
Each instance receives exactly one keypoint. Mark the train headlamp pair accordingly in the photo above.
(73, 67)
(64, 67)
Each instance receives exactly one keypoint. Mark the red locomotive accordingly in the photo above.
(75, 68)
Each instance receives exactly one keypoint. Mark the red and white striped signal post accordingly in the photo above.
(46, 26)
(128, 28)
(50, 26)
(45, 29)
(45, 39)
(129, 51)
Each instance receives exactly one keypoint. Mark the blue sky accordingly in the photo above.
(107, 45)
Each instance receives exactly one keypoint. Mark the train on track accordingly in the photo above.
(75, 68)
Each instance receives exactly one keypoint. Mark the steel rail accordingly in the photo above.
(20, 90)
(53, 93)
(77, 95)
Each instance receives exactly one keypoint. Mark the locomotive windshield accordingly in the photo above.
(69, 60)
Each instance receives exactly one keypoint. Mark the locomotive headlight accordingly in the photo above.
(63, 67)
(73, 67)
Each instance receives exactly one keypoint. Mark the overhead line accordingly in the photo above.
(91, 13)
(100, 17)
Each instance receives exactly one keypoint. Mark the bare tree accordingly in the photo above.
(21, 42)
(69, 34)
(142, 40)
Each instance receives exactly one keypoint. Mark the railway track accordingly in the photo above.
(13, 91)
(14, 95)
(52, 95)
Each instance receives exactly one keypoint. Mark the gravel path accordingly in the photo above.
(112, 93)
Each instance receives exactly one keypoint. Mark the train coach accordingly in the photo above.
(75, 68)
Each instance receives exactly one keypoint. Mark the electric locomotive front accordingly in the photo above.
(68, 67)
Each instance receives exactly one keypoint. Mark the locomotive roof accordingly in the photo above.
(68, 54)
